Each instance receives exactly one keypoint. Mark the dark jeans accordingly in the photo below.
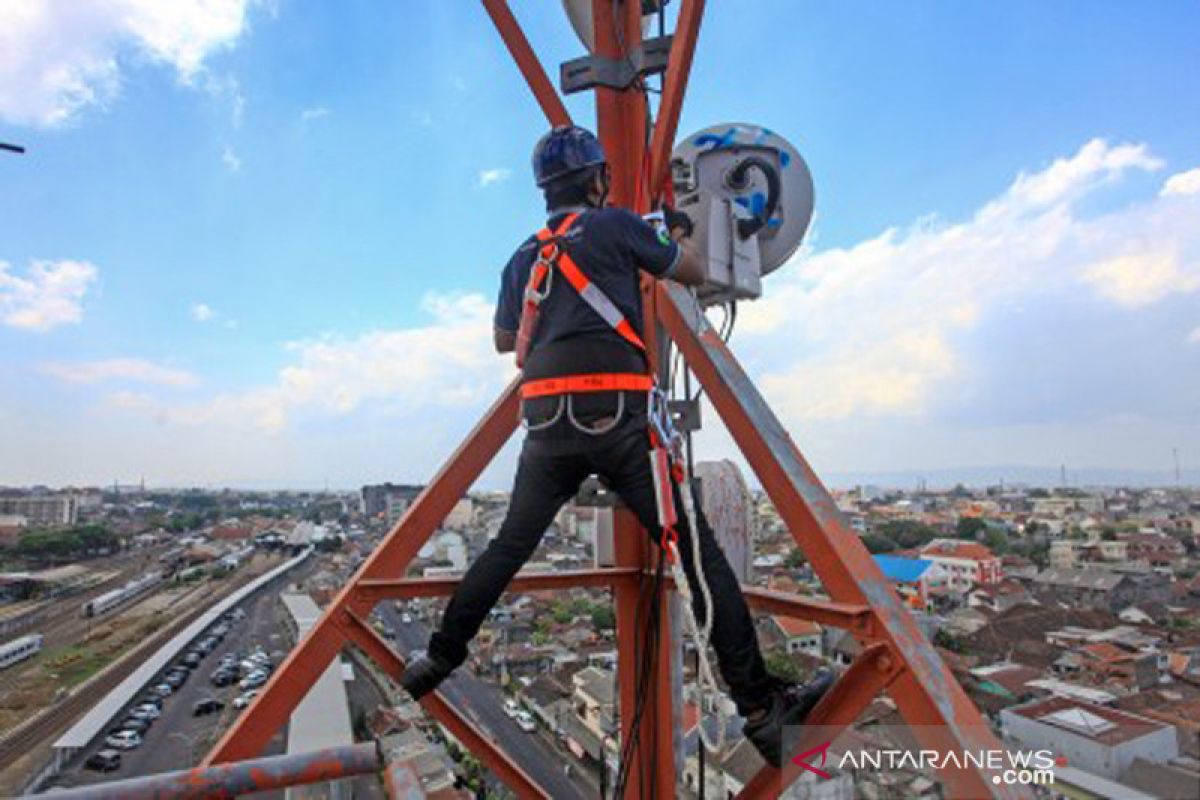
(549, 473)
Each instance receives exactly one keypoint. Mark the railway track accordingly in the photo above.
(18, 741)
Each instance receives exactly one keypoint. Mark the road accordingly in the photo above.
(483, 703)
(178, 740)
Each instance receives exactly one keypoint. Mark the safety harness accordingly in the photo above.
(666, 443)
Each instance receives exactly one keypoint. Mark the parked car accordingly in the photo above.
(193, 659)
(173, 679)
(149, 714)
(511, 708)
(152, 710)
(104, 761)
(253, 680)
(135, 724)
(209, 705)
(525, 722)
(151, 700)
(223, 677)
(124, 740)
(406, 618)
(239, 614)
(245, 698)
(162, 689)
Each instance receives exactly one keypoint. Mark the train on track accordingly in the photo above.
(117, 597)
(20, 649)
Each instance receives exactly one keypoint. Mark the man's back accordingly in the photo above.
(609, 245)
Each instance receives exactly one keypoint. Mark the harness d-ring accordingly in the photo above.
(594, 431)
(527, 425)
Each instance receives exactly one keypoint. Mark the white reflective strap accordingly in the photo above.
(600, 303)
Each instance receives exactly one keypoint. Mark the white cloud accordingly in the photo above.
(315, 112)
(119, 369)
(1182, 183)
(1140, 279)
(875, 329)
(57, 58)
(1194, 336)
(446, 364)
(488, 177)
(48, 295)
(202, 312)
(230, 159)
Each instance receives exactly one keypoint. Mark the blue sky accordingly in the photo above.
(256, 242)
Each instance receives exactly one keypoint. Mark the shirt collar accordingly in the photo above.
(564, 210)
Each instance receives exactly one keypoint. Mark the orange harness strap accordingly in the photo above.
(551, 256)
(578, 384)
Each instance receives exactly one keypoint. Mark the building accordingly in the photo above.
(1096, 739)
(796, 635)
(966, 564)
(1095, 587)
(387, 500)
(914, 578)
(42, 509)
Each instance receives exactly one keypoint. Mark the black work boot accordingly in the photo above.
(790, 705)
(423, 675)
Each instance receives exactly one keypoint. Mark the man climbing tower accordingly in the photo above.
(570, 307)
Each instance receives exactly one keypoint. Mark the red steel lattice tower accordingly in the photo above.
(896, 658)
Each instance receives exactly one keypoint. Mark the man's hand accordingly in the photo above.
(678, 223)
(505, 341)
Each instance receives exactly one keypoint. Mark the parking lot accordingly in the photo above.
(178, 739)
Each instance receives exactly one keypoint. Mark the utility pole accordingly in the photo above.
(1178, 475)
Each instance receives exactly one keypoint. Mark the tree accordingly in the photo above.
(996, 541)
(795, 559)
(603, 617)
(907, 532)
(878, 544)
(781, 666)
(969, 528)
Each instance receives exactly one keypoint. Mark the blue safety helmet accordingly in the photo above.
(564, 151)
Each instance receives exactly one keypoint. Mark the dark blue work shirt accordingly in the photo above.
(609, 245)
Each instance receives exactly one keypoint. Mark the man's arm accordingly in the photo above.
(689, 270)
(505, 341)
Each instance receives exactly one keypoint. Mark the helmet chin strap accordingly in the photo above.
(602, 200)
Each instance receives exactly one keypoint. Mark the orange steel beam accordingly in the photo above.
(373, 591)
(679, 67)
(651, 768)
(870, 674)
(527, 61)
(855, 618)
(927, 694)
(251, 731)
(482, 747)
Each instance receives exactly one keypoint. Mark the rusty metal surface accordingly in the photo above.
(927, 694)
(242, 777)
(527, 61)
(480, 745)
(402, 782)
(679, 67)
(372, 591)
(855, 618)
(258, 723)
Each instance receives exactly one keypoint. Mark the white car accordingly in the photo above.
(511, 708)
(253, 680)
(406, 618)
(525, 722)
(244, 699)
(125, 740)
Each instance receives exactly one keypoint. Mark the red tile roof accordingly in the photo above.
(953, 549)
(793, 627)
